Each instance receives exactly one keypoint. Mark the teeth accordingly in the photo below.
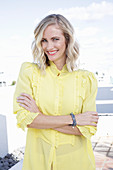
(52, 52)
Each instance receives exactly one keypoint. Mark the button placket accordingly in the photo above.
(56, 139)
(57, 96)
(57, 106)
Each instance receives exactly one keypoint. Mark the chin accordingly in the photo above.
(52, 59)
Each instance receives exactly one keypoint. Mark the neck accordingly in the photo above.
(60, 64)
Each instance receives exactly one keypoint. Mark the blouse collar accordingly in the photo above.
(57, 72)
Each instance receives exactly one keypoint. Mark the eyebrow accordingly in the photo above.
(56, 36)
(51, 37)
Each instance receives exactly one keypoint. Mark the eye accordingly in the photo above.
(55, 39)
(43, 40)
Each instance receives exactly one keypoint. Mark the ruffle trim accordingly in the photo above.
(35, 75)
(87, 131)
(25, 118)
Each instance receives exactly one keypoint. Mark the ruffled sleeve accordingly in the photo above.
(24, 85)
(89, 103)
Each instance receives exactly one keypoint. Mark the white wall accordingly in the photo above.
(11, 137)
(3, 136)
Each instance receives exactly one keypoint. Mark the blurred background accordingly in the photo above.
(91, 19)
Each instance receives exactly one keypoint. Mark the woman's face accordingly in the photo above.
(53, 44)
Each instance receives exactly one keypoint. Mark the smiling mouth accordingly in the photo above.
(52, 52)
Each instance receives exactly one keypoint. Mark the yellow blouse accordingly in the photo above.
(56, 93)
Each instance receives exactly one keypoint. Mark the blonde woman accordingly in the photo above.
(56, 101)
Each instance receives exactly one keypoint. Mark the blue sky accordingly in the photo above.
(92, 20)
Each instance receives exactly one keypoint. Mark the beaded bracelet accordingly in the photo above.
(74, 120)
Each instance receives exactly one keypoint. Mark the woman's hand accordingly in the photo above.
(87, 118)
(27, 102)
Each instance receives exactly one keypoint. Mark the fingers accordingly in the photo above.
(93, 124)
(87, 118)
(24, 106)
(27, 102)
(26, 95)
(92, 113)
(94, 119)
(24, 100)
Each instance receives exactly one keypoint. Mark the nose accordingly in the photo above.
(50, 46)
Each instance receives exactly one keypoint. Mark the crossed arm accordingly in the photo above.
(59, 123)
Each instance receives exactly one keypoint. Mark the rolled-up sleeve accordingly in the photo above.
(24, 85)
(89, 104)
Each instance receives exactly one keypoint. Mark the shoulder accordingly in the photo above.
(86, 74)
(28, 67)
(88, 78)
(28, 70)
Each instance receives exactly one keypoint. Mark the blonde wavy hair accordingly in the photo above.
(72, 47)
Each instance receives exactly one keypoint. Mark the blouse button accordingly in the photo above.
(58, 74)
